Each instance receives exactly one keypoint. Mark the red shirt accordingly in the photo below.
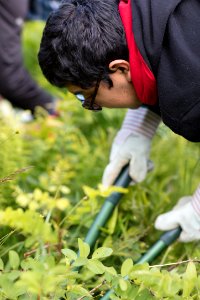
(142, 77)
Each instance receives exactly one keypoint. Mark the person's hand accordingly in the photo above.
(135, 151)
(183, 215)
(52, 108)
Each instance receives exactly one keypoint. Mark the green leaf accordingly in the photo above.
(95, 266)
(126, 267)
(80, 291)
(110, 273)
(30, 280)
(111, 270)
(13, 275)
(69, 254)
(1, 264)
(198, 282)
(139, 270)
(112, 221)
(8, 288)
(189, 279)
(50, 260)
(171, 284)
(91, 193)
(123, 284)
(80, 261)
(102, 252)
(26, 264)
(84, 248)
(14, 259)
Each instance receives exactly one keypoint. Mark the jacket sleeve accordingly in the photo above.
(178, 76)
(16, 84)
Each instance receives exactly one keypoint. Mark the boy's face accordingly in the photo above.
(120, 95)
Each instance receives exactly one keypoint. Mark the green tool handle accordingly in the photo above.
(107, 209)
(164, 241)
(123, 180)
(109, 205)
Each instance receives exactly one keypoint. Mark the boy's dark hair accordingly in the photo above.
(79, 41)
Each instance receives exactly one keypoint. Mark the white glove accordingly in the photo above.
(135, 150)
(184, 215)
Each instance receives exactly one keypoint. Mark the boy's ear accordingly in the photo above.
(121, 65)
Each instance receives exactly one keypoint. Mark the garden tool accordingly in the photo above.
(123, 180)
(164, 241)
(106, 211)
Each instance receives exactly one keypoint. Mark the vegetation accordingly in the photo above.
(50, 189)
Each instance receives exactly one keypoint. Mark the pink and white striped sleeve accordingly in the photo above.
(142, 121)
(196, 200)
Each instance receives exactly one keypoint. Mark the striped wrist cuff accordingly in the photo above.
(196, 200)
(142, 121)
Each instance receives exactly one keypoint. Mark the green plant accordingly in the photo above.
(50, 195)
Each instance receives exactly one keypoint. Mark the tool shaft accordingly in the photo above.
(109, 205)
(164, 241)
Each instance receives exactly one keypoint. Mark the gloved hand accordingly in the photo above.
(52, 108)
(135, 149)
(184, 215)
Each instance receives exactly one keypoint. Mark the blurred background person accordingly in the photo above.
(40, 9)
(16, 84)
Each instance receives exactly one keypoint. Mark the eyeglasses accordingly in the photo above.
(89, 103)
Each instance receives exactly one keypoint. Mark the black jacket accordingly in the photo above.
(16, 84)
(167, 34)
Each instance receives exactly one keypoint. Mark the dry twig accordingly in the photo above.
(13, 175)
(93, 290)
(47, 246)
(176, 263)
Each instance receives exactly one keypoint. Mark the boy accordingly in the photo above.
(142, 55)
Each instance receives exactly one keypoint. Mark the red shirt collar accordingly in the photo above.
(142, 77)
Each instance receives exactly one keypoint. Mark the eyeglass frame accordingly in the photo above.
(86, 102)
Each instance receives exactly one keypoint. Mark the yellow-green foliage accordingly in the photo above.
(50, 192)
(29, 223)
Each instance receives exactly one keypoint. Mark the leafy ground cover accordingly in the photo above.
(50, 193)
